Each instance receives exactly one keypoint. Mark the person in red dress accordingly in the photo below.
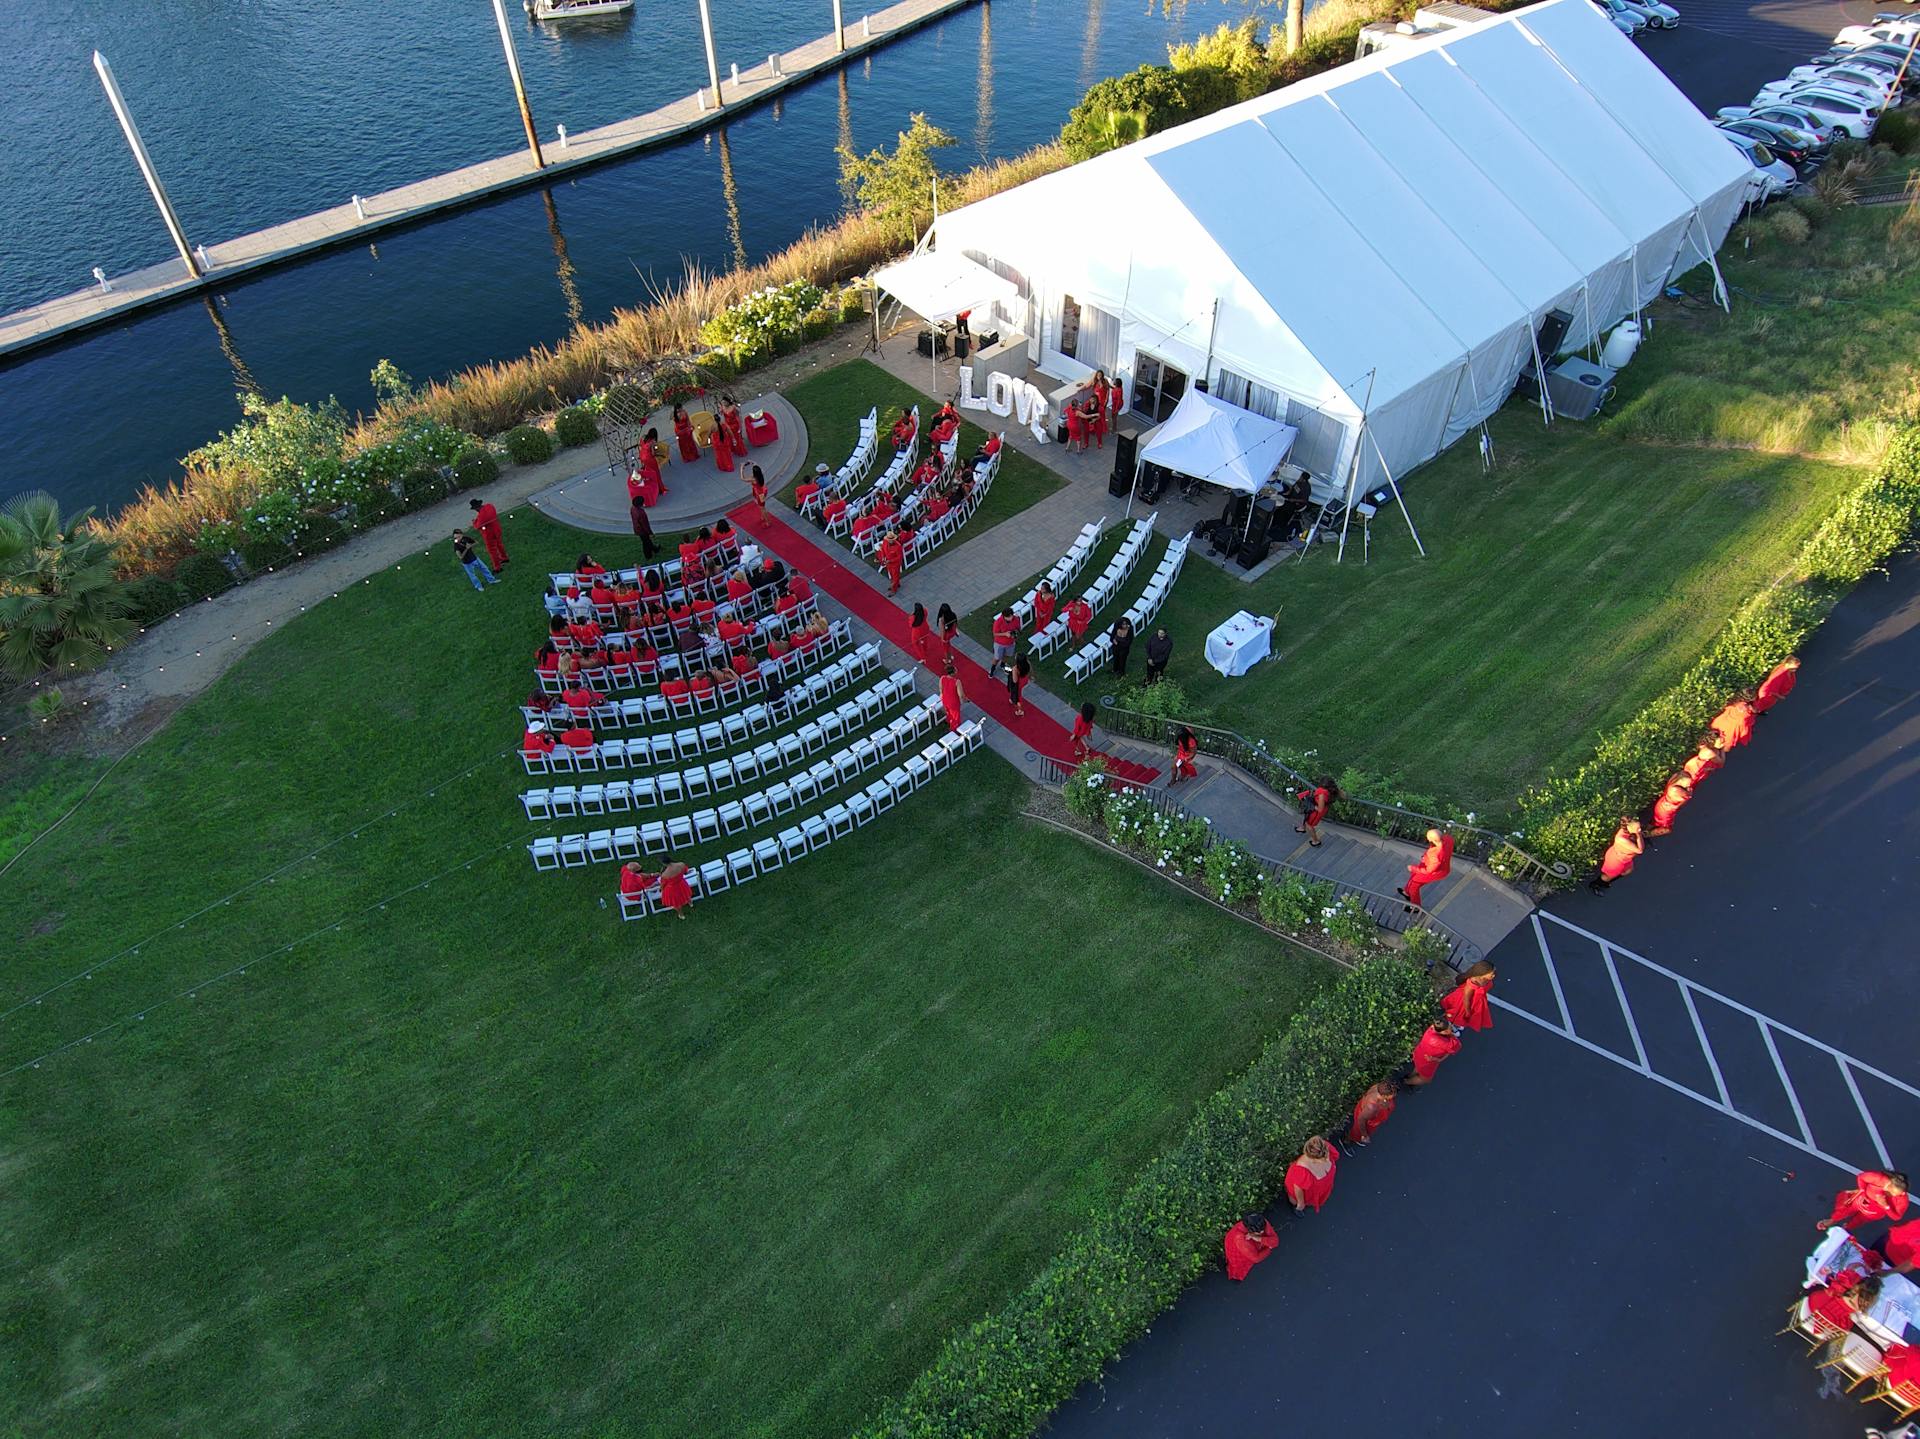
(1678, 791)
(1371, 1110)
(1439, 1044)
(486, 519)
(1903, 1372)
(952, 696)
(1309, 1182)
(1314, 804)
(1876, 1195)
(903, 429)
(1466, 1004)
(1901, 1247)
(1044, 602)
(1249, 1241)
(1706, 759)
(759, 483)
(893, 559)
(1777, 685)
(683, 435)
(1436, 864)
(1076, 429)
(918, 633)
(577, 739)
(652, 487)
(1097, 422)
(1113, 404)
(1100, 391)
(635, 880)
(1185, 747)
(1079, 616)
(723, 450)
(1019, 674)
(1617, 862)
(1734, 724)
(675, 893)
(731, 422)
(1079, 745)
(536, 741)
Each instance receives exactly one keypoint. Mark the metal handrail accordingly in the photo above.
(1389, 912)
(1489, 847)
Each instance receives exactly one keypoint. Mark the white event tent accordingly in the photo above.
(1368, 255)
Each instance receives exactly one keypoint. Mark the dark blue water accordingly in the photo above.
(258, 112)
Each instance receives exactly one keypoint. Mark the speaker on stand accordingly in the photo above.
(1126, 449)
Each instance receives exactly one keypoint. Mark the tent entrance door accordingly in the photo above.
(1157, 387)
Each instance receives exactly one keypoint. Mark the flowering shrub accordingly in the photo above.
(1086, 792)
(1232, 874)
(1127, 814)
(1427, 947)
(1295, 902)
(1347, 921)
(763, 318)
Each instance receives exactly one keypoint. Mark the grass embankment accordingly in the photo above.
(1596, 562)
(833, 403)
(487, 1160)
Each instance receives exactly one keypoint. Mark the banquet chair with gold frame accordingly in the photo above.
(1801, 1320)
(1857, 1356)
(1905, 1398)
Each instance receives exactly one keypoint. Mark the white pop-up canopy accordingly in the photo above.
(940, 284)
(1219, 443)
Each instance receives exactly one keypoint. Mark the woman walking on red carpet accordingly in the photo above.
(952, 695)
(949, 628)
(893, 557)
(1019, 673)
(918, 635)
(759, 483)
(1080, 746)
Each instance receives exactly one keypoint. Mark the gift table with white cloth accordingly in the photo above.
(1240, 644)
(1895, 1315)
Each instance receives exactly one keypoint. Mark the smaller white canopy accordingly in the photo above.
(1219, 443)
(939, 284)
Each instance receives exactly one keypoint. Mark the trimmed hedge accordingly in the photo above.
(999, 1378)
(528, 445)
(1572, 817)
(477, 467)
(203, 576)
(152, 598)
(421, 487)
(264, 555)
(575, 427)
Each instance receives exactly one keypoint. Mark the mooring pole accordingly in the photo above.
(145, 162)
(519, 85)
(839, 29)
(713, 60)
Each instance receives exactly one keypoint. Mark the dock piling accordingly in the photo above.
(866, 27)
(359, 207)
(563, 135)
(100, 279)
(839, 30)
(519, 85)
(713, 62)
(145, 162)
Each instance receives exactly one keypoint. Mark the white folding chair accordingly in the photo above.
(713, 877)
(706, 826)
(538, 804)
(653, 836)
(593, 799)
(573, 851)
(759, 809)
(880, 795)
(565, 800)
(839, 819)
(767, 856)
(600, 846)
(626, 842)
(671, 786)
(740, 866)
(818, 832)
(545, 852)
(619, 795)
(680, 830)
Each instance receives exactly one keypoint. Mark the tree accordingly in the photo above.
(60, 605)
(1125, 108)
(1296, 25)
(898, 189)
(1237, 54)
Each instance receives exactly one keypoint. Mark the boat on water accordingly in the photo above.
(575, 9)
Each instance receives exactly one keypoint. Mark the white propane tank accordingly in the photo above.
(1621, 345)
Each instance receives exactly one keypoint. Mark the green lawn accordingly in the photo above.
(833, 403)
(485, 1160)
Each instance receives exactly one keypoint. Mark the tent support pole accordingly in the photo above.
(1353, 475)
(1398, 499)
(1540, 369)
(1713, 263)
(1134, 489)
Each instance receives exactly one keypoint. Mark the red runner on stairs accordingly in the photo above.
(1041, 732)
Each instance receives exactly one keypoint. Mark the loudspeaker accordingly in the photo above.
(1553, 329)
(1234, 516)
(1260, 527)
(1252, 552)
(1126, 449)
(931, 343)
(962, 344)
(1120, 481)
(1153, 479)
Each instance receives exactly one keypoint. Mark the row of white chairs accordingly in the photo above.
(664, 747)
(1053, 635)
(867, 544)
(677, 832)
(1063, 571)
(816, 831)
(935, 533)
(763, 761)
(668, 662)
(899, 470)
(1097, 651)
(668, 570)
(853, 473)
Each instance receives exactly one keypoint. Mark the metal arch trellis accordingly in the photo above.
(623, 421)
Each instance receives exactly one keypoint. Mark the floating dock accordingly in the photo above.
(346, 224)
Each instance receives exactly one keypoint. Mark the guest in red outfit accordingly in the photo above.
(536, 741)
(723, 450)
(1706, 759)
(578, 738)
(731, 422)
(1006, 631)
(917, 633)
(903, 429)
(1466, 1005)
(1617, 862)
(1371, 1111)
(1314, 804)
(1113, 404)
(635, 880)
(949, 628)
(1777, 685)
(1079, 745)
(1044, 603)
(893, 558)
(1076, 429)
(486, 519)
(1079, 616)
(1734, 724)
(1247, 1243)
(675, 893)
(1185, 747)
(1439, 1044)
(758, 481)
(1875, 1195)
(1309, 1181)
(1019, 674)
(1436, 864)
(952, 696)
(683, 435)
(1843, 1296)
(1678, 791)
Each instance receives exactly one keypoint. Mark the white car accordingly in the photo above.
(1619, 10)
(1845, 113)
(1877, 91)
(1772, 178)
(1660, 16)
(1780, 89)
(1895, 32)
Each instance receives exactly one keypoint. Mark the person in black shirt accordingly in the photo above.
(1159, 651)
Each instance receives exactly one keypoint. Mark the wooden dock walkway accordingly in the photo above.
(156, 284)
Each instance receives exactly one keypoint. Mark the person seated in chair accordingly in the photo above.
(1295, 500)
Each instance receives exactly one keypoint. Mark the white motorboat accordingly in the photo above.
(575, 9)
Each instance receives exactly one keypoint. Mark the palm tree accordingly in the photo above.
(61, 606)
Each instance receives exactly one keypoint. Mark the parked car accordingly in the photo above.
(1798, 116)
(1780, 89)
(1793, 146)
(1620, 10)
(1896, 32)
(1847, 113)
(1660, 15)
(1625, 24)
(1772, 177)
(1873, 61)
(1861, 77)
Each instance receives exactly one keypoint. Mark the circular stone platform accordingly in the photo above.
(698, 493)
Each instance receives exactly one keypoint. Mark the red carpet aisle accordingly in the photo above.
(1041, 733)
